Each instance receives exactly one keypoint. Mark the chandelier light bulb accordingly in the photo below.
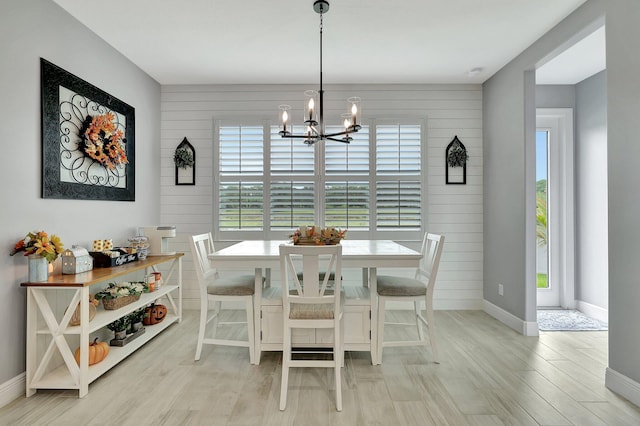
(311, 106)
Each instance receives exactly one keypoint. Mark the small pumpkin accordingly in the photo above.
(154, 314)
(97, 352)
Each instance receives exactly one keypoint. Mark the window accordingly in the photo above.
(240, 179)
(268, 185)
(398, 165)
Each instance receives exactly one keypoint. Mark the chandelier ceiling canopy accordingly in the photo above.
(314, 107)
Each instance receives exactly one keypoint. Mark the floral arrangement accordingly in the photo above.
(115, 290)
(457, 156)
(39, 243)
(183, 158)
(314, 235)
(103, 141)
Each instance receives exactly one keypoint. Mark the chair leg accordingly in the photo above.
(204, 312)
(338, 355)
(286, 357)
(418, 314)
(217, 307)
(381, 311)
(342, 351)
(432, 330)
(250, 330)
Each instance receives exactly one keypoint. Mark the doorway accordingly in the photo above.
(555, 208)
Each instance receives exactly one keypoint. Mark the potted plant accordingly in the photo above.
(183, 158)
(135, 320)
(119, 327)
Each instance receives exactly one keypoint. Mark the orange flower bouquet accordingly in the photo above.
(39, 243)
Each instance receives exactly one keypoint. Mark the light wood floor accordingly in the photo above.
(489, 375)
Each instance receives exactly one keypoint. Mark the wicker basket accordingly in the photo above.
(312, 242)
(75, 318)
(119, 302)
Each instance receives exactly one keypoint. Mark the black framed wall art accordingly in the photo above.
(88, 140)
(456, 157)
(184, 159)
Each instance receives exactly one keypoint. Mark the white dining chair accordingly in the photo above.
(215, 290)
(418, 289)
(311, 303)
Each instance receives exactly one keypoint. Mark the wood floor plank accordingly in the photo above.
(489, 375)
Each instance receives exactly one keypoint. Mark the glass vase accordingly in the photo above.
(38, 268)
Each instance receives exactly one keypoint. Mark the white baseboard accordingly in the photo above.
(12, 389)
(593, 311)
(622, 385)
(526, 328)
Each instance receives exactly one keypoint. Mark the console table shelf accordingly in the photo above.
(43, 323)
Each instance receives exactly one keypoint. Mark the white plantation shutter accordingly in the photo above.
(398, 149)
(240, 205)
(241, 150)
(289, 155)
(398, 205)
(292, 204)
(398, 199)
(347, 205)
(351, 158)
(240, 196)
(372, 185)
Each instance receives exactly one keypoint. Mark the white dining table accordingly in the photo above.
(263, 256)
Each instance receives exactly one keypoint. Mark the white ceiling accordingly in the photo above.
(373, 41)
(582, 60)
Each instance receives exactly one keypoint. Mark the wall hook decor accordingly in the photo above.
(184, 159)
(456, 156)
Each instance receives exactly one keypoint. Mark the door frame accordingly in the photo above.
(561, 200)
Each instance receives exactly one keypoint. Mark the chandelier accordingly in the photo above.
(314, 107)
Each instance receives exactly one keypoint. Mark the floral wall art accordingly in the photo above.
(88, 140)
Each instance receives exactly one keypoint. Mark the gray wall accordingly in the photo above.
(592, 266)
(30, 30)
(509, 112)
(555, 96)
(623, 111)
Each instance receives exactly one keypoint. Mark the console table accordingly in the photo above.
(49, 333)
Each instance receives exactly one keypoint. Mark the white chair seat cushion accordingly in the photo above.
(400, 286)
(240, 285)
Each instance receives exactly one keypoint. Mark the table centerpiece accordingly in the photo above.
(317, 236)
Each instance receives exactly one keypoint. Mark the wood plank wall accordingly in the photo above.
(448, 110)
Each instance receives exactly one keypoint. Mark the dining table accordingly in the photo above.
(263, 256)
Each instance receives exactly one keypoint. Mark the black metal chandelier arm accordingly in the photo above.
(294, 136)
(339, 140)
(344, 132)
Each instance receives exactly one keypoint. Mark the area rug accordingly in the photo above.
(567, 320)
